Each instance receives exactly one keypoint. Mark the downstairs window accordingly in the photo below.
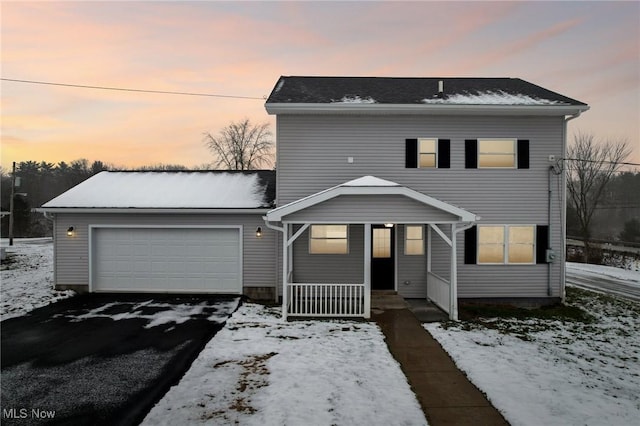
(414, 240)
(506, 244)
(329, 239)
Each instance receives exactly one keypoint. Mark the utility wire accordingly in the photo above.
(127, 89)
(597, 161)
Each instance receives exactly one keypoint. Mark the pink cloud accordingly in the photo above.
(502, 52)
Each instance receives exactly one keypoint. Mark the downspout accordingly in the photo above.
(549, 199)
(563, 220)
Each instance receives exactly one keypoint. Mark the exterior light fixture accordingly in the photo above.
(258, 232)
(70, 231)
(388, 225)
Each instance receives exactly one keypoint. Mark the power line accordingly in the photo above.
(597, 161)
(82, 86)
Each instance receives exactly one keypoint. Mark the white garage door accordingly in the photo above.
(203, 260)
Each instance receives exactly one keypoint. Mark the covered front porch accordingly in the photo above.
(367, 234)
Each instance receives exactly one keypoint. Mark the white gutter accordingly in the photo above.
(270, 226)
(432, 109)
(136, 210)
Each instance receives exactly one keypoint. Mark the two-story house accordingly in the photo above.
(450, 189)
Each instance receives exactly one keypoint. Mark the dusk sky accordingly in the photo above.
(588, 51)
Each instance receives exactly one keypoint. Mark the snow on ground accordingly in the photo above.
(26, 277)
(157, 313)
(259, 370)
(631, 277)
(550, 372)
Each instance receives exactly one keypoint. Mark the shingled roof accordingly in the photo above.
(416, 91)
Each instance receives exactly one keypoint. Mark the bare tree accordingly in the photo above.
(241, 146)
(590, 166)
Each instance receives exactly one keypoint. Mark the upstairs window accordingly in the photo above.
(413, 240)
(427, 153)
(329, 239)
(496, 153)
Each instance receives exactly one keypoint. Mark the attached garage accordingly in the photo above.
(167, 232)
(153, 259)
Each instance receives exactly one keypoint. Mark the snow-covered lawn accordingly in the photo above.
(551, 372)
(257, 369)
(261, 371)
(26, 277)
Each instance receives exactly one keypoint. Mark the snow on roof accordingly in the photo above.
(369, 181)
(491, 98)
(355, 100)
(165, 190)
(279, 85)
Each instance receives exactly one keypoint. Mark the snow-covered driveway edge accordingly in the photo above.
(259, 370)
(26, 277)
(631, 277)
(556, 372)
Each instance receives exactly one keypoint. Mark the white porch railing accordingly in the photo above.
(438, 291)
(325, 300)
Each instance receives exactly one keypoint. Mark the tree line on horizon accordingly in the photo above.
(39, 182)
(615, 217)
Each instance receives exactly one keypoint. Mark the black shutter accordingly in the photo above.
(523, 154)
(542, 243)
(444, 153)
(411, 153)
(470, 246)
(471, 153)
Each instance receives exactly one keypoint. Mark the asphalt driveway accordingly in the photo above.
(102, 359)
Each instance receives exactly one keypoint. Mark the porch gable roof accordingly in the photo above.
(367, 185)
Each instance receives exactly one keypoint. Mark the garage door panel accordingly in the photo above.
(167, 259)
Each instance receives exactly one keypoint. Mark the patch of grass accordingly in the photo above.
(559, 312)
(8, 262)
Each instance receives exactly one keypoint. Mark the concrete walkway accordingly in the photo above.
(445, 394)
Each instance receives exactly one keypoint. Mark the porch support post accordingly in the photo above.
(285, 270)
(367, 270)
(453, 287)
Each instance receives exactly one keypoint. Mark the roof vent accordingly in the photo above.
(440, 89)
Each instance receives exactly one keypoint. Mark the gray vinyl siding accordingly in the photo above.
(71, 261)
(441, 253)
(330, 268)
(313, 152)
(411, 269)
(371, 208)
